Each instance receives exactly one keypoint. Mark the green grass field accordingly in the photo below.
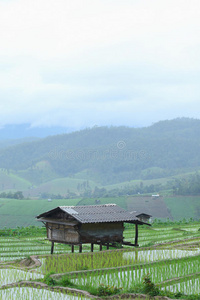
(15, 212)
(183, 207)
(23, 212)
(62, 185)
(12, 182)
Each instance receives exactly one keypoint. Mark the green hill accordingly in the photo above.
(10, 181)
(61, 186)
(104, 156)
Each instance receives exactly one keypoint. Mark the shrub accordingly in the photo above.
(149, 287)
(65, 281)
(48, 279)
(106, 290)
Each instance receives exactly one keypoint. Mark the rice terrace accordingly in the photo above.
(147, 178)
(166, 264)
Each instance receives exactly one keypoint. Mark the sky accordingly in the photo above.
(98, 62)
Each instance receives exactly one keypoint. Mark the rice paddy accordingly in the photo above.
(170, 256)
(8, 276)
(188, 287)
(34, 294)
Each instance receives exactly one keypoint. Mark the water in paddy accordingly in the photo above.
(130, 277)
(154, 255)
(187, 287)
(8, 276)
(34, 294)
(13, 275)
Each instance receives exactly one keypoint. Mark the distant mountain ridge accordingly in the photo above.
(13, 142)
(108, 155)
(21, 131)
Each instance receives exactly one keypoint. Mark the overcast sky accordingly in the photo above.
(80, 63)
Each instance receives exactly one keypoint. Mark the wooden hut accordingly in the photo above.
(144, 217)
(94, 224)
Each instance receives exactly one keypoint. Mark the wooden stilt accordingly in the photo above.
(72, 247)
(92, 247)
(136, 235)
(52, 247)
(80, 248)
(107, 246)
(100, 247)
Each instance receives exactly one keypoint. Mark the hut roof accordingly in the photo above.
(94, 214)
(143, 214)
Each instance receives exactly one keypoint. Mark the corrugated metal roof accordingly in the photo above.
(59, 221)
(97, 213)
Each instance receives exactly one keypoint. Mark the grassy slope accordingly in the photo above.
(43, 179)
(41, 172)
(22, 212)
(137, 182)
(59, 186)
(10, 181)
(148, 182)
(183, 207)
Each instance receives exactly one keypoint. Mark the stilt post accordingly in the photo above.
(92, 247)
(52, 247)
(136, 234)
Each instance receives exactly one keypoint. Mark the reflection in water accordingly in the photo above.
(154, 255)
(34, 294)
(133, 276)
(13, 275)
(187, 287)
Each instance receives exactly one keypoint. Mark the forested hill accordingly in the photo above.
(109, 154)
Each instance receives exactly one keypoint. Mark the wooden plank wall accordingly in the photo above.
(62, 233)
(106, 232)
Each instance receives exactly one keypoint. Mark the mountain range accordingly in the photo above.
(99, 156)
(26, 130)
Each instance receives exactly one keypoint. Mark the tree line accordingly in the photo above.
(187, 186)
(15, 195)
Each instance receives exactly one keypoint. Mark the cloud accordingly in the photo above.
(98, 62)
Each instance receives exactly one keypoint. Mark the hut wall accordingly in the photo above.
(101, 232)
(144, 219)
(62, 233)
